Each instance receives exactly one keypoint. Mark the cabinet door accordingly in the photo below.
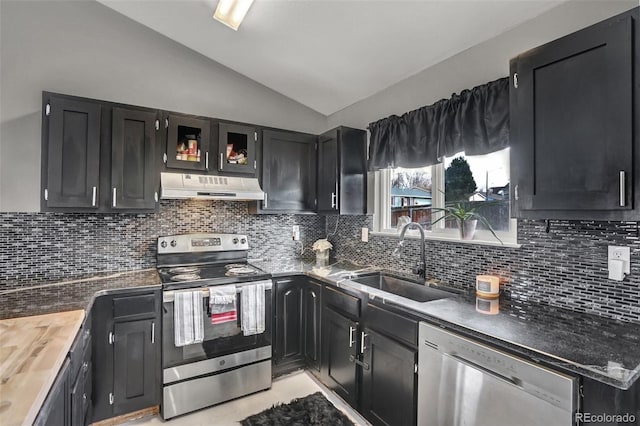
(237, 149)
(133, 159)
(188, 141)
(289, 322)
(328, 176)
(339, 346)
(72, 149)
(55, 409)
(135, 379)
(288, 171)
(571, 122)
(312, 330)
(388, 381)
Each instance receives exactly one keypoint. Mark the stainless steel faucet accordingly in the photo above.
(420, 268)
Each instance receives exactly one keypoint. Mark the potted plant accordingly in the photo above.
(467, 219)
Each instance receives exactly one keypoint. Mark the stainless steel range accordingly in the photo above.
(216, 321)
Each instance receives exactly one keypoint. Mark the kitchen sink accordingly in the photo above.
(403, 287)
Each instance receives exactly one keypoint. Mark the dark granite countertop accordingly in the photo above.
(79, 293)
(592, 346)
(596, 347)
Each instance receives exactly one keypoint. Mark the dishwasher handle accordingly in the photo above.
(510, 380)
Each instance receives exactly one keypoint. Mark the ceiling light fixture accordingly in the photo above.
(232, 12)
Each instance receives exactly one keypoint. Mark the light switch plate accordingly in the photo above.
(365, 234)
(296, 233)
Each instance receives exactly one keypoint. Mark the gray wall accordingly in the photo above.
(86, 49)
(484, 62)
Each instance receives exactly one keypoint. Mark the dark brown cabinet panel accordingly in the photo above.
(133, 159)
(289, 324)
(342, 166)
(71, 153)
(312, 324)
(55, 410)
(135, 362)
(339, 351)
(188, 140)
(237, 149)
(389, 381)
(288, 172)
(573, 147)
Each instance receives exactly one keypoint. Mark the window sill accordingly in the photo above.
(448, 238)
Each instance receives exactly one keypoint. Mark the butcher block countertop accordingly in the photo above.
(32, 351)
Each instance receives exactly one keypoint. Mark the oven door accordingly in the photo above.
(219, 339)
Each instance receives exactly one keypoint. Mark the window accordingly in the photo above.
(474, 181)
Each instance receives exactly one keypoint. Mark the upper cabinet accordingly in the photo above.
(98, 156)
(342, 171)
(288, 168)
(70, 153)
(574, 138)
(187, 142)
(237, 149)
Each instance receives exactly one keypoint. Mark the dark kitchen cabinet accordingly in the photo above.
(342, 171)
(55, 409)
(126, 345)
(312, 300)
(389, 381)
(133, 159)
(339, 351)
(237, 149)
(573, 136)
(70, 153)
(288, 168)
(188, 142)
(289, 324)
(98, 157)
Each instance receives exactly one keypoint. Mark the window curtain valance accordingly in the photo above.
(476, 121)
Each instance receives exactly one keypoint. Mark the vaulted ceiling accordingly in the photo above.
(329, 54)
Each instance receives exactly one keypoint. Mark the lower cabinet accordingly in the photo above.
(297, 324)
(55, 410)
(127, 350)
(388, 381)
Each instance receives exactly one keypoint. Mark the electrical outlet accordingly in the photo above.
(365, 234)
(622, 254)
(296, 233)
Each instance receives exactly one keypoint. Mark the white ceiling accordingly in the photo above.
(329, 54)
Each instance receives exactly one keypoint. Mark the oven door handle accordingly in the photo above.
(168, 296)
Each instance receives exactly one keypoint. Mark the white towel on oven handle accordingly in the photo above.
(187, 318)
(252, 309)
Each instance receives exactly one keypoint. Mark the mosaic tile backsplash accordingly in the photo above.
(50, 246)
(566, 267)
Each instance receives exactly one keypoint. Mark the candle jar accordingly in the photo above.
(322, 258)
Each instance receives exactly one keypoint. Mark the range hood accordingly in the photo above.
(177, 186)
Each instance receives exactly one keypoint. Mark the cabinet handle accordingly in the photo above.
(221, 161)
(351, 341)
(206, 160)
(515, 80)
(333, 200)
(622, 188)
(363, 336)
(266, 198)
(114, 197)
(337, 196)
(93, 196)
(517, 195)
(153, 333)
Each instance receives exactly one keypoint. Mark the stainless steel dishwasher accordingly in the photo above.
(465, 383)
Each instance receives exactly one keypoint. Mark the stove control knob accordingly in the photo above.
(163, 244)
(235, 241)
(174, 243)
(243, 241)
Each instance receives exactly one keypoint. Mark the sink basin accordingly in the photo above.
(403, 287)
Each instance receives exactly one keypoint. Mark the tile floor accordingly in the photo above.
(283, 390)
